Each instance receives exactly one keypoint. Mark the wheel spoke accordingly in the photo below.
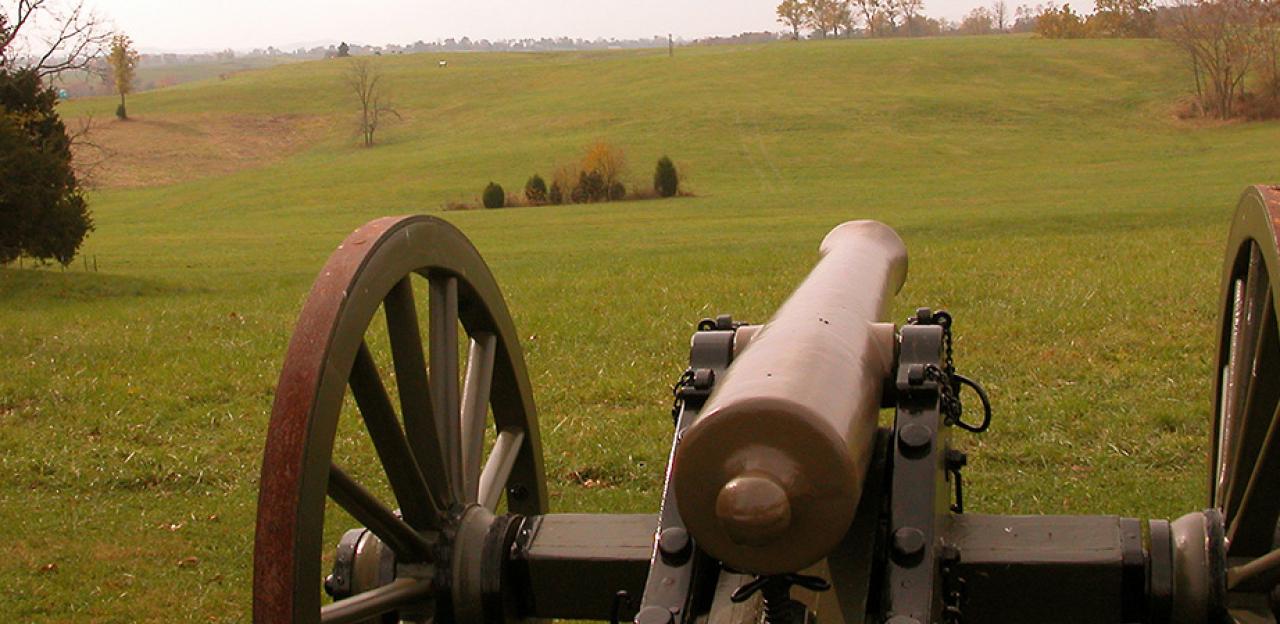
(401, 592)
(445, 403)
(1261, 574)
(1253, 347)
(475, 408)
(1251, 528)
(1229, 396)
(388, 440)
(415, 396)
(493, 480)
(368, 511)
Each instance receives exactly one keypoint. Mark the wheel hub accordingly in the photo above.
(470, 572)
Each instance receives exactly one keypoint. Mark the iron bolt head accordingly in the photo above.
(674, 545)
(703, 378)
(915, 374)
(653, 614)
(915, 437)
(908, 542)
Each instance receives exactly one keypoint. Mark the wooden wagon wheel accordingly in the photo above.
(430, 451)
(1245, 477)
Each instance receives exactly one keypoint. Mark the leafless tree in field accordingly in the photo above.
(1220, 39)
(1000, 15)
(369, 87)
(910, 9)
(50, 36)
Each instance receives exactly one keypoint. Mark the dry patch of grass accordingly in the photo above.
(166, 149)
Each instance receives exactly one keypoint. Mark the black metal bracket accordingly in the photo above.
(678, 568)
(919, 494)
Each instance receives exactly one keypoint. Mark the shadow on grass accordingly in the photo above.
(52, 285)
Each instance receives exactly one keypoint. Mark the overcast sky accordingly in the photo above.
(181, 25)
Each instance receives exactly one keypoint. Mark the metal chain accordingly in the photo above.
(948, 380)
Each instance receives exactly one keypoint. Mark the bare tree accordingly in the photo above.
(979, 21)
(910, 9)
(1219, 38)
(364, 79)
(870, 10)
(1268, 46)
(1000, 14)
(49, 36)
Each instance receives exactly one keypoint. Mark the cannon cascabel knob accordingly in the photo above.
(753, 509)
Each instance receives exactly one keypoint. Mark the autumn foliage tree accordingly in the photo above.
(793, 13)
(123, 60)
(1060, 23)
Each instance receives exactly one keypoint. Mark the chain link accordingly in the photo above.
(948, 380)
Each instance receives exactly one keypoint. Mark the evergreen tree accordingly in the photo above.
(43, 214)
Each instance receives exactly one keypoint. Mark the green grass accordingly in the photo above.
(1046, 194)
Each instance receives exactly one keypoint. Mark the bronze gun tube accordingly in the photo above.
(768, 479)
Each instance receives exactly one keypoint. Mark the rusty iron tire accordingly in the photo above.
(431, 462)
(1244, 480)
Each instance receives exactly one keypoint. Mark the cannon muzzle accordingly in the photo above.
(768, 479)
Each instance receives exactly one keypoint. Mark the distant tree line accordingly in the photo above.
(821, 19)
(1110, 18)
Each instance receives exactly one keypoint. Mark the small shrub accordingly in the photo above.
(535, 190)
(120, 112)
(494, 196)
(665, 179)
(590, 188)
(555, 195)
(617, 191)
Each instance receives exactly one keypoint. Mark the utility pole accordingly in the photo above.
(671, 45)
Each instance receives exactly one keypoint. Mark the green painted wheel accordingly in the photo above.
(430, 444)
(1245, 477)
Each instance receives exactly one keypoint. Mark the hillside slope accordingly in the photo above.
(1048, 197)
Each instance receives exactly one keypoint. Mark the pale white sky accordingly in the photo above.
(181, 25)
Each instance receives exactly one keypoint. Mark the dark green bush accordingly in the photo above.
(617, 191)
(43, 214)
(535, 190)
(494, 196)
(555, 195)
(120, 112)
(591, 188)
(665, 179)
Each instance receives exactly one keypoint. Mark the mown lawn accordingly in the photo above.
(1046, 193)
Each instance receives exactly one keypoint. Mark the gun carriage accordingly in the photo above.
(785, 500)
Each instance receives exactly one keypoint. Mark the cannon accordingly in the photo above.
(815, 471)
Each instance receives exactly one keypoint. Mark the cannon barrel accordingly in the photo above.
(768, 478)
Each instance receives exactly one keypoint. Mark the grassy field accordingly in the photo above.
(1047, 195)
